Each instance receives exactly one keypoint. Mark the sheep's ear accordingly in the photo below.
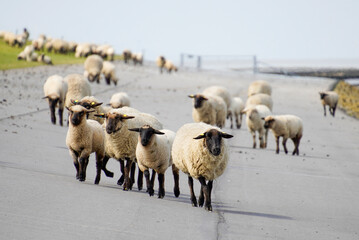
(124, 116)
(134, 129)
(68, 109)
(101, 115)
(191, 96)
(226, 135)
(158, 132)
(74, 102)
(94, 104)
(90, 111)
(204, 98)
(203, 135)
(45, 97)
(263, 118)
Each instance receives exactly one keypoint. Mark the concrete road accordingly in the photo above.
(262, 195)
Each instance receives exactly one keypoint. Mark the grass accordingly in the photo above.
(8, 58)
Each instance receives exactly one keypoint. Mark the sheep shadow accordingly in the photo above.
(253, 214)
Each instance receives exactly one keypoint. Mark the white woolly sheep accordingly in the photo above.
(154, 151)
(235, 111)
(45, 59)
(93, 66)
(127, 55)
(72, 46)
(329, 98)
(286, 126)
(200, 151)
(170, 66)
(137, 58)
(209, 109)
(60, 46)
(39, 43)
(108, 70)
(55, 90)
(121, 143)
(106, 51)
(161, 61)
(260, 99)
(255, 122)
(83, 138)
(219, 91)
(119, 100)
(84, 50)
(259, 86)
(91, 103)
(78, 87)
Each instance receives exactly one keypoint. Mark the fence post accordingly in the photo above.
(199, 62)
(182, 59)
(255, 67)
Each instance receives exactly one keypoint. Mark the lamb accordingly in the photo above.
(199, 151)
(255, 123)
(161, 61)
(119, 100)
(170, 66)
(83, 138)
(55, 90)
(78, 87)
(286, 126)
(108, 70)
(45, 59)
(235, 111)
(91, 103)
(209, 109)
(154, 151)
(260, 98)
(93, 67)
(329, 98)
(126, 55)
(259, 86)
(121, 143)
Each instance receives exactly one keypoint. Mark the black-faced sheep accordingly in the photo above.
(161, 61)
(329, 98)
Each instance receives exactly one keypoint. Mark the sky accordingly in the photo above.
(269, 29)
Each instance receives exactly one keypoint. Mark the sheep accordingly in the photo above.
(108, 70)
(154, 151)
(83, 138)
(60, 46)
(260, 98)
(259, 86)
(329, 98)
(91, 103)
(72, 46)
(93, 66)
(78, 87)
(170, 66)
(209, 109)
(84, 50)
(55, 90)
(26, 54)
(220, 91)
(199, 151)
(161, 61)
(39, 43)
(106, 51)
(10, 38)
(235, 111)
(286, 126)
(45, 59)
(126, 55)
(34, 57)
(255, 123)
(137, 58)
(119, 100)
(121, 143)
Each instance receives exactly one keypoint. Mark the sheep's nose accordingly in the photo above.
(144, 142)
(216, 151)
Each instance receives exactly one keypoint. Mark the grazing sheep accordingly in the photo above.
(255, 123)
(26, 54)
(108, 70)
(119, 100)
(91, 103)
(93, 66)
(55, 90)
(83, 138)
(121, 143)
(45, 59)
(170, 66)
(60, 46)
(39, 43)
(259, 86)
(200, 152)
(106, 51)
(329, 98)
(49, 45)
(154, 151)
(10, 38)
(78, 87)
(235, 111)
(209, 109)
(137, 58)
(161, 61)
(127, 55)
(286, 126)
(260, 99)
(72, 46)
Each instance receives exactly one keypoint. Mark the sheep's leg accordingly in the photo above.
(61, 111)
(193, 197)
(334, 108)
(254, 139)
(239, 121)
(148, 183)
(83, 165)
(153, 177)
(52, 110)
(127, 185)
(99, 159)
(298, 141)
(175, 172)
(104, 163)
(75, 156)
(133, 172)
(277, 143)
(261, 140)
(201, 197)
(266, 138)
(161, 188)
(210, 186)
(122, 169)
(285, 145)
(140, 179)
(108, 80)
(325, 111)
(206, 192)
(231, 119)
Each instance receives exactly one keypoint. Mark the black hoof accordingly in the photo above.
(121, 180)
(176, 192)
(151, 192)
(200, 202)
(209, 208)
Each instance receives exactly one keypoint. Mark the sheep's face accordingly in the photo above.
(87, 104)
(269, 122)
(146, 133)
(93, 77)
(198, 100)
(213, 140)
(77, 114)
(114, 121)
(322, 95)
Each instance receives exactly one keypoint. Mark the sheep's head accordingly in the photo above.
(78, 114)
(198, 100)
(86, 103)
(93, 77)
(213, 140)
(146, 133)
(269, 121)
(114, 121)
(322, 95)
